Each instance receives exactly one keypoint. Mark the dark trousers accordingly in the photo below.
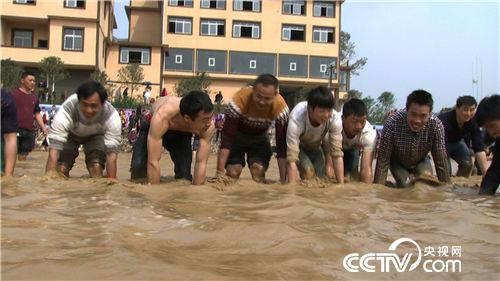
(351, 161)
(402, 174)
(459, 152)
(177, 143)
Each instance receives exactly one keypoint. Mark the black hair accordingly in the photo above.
(420, 97)
(467, 101)
(194, 102)
(354, 106)
(488, 110)
(27, 73)
(88, 88)
(320, 97)
(266, 80)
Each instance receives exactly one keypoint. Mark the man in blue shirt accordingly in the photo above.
(488, 116)
(459, 124)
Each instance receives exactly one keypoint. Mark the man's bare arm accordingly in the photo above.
(366, 167)
(10, 152)
(200, 166)
(111, 158)
(157, 129)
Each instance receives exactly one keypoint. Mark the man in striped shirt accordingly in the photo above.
(248, 117)
(407, 139)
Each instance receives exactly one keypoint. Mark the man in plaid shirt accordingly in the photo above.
(407, 139)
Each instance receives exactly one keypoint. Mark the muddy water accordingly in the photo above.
(82, 228)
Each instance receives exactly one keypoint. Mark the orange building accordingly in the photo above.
(77, 31)
(233, 41)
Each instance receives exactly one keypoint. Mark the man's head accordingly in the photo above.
(28, 81)
(466, 108)
(91, 96)
(354, 116)
(196, 109)
(319, 105)
(418, 109)
(265, 89)
(488, 115)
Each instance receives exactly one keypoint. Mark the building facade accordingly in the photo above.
(77, 31)
(234, 41)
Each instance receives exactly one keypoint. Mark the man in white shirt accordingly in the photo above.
(310, 121)
(85, 118)
(358, 137)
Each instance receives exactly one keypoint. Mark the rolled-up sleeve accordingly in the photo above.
(335, 136)
(439, 153)
(113, 133)
(295, 129)
(59, 129)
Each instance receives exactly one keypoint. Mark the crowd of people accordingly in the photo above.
(312, 140)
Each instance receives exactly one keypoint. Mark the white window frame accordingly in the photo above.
(293, 66)
(22, 38)
(238, 5)
(237, 29)
(328, 5)
(253, 64)
(175, 3)
(182, 25)
(213, 27)
(219, 4)
(323, 34)
(295, 7)
(286, 33)
(145, 54)
(74, 37)
(211, 62)
(322, 68)
(178, 59)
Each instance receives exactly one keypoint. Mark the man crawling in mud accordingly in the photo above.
(173, 124)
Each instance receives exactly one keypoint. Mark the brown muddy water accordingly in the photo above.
(80, 228)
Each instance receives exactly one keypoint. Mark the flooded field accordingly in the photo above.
(81, 228)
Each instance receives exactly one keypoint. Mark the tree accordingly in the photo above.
(132, 74)
(52, 68)
(354, 94)
(199, 82)
(99, 76)
(385, 103)
(11, 73)
(347, 53)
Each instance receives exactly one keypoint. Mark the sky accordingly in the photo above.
(438, 46)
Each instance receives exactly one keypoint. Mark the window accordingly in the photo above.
(211, 27)
(246, 29)
(322, 68)
(32, 2)
(293, 66)
(323, 34)
(135, 55)
(179, 25)
(43, 43)
(181, 3)
(72, 39)
(294, 7)
(253, 64)
(293, 33)
(324, 9)
(247, 5)
(213, 4)
(74, 3)
(22, 38)
(211, 61)
(178, 59)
